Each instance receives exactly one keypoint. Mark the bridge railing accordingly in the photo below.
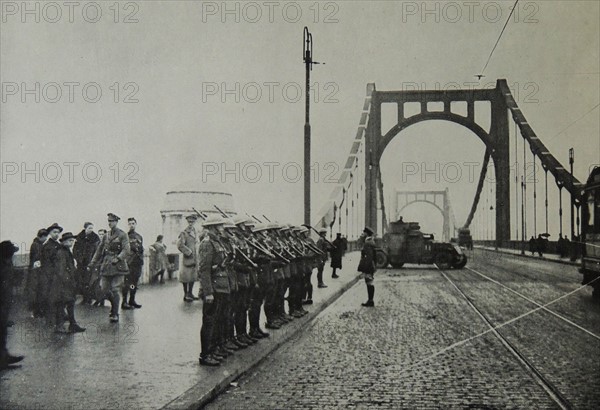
(552, 248)
(21, 263)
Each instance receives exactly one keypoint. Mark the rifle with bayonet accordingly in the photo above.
(308, 226)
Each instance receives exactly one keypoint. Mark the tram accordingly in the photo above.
(590, 230)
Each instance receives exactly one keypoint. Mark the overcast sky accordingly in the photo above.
(186, 92)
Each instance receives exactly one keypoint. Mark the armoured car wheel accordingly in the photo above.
(381, 259)
(460, 262)
(443, 260)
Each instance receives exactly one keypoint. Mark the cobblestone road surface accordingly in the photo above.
(423, 347)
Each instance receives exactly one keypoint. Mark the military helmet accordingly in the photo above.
(229, 223)
(213, 220)
(260, 227)
(239, 219)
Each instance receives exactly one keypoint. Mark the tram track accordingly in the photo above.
(553, 392)
(544, 290)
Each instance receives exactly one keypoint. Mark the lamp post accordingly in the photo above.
(571, 161)
(308, 62)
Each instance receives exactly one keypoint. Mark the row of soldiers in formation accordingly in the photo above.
(244, 266)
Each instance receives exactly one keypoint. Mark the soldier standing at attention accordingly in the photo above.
(311, 261)
(64, 286)
(263, 281)
(112, 257)
(324, 247)
(135, 262)
(367, 263)
(49, 267)
(215, 284)
(187, 244)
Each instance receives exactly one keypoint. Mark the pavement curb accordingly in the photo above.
(199, 396)
(507, 252)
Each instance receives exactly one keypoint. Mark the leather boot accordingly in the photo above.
(209, 361)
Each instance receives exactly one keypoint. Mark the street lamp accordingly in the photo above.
(308, 61)
(571, 161)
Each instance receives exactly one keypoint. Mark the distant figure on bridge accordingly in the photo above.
(560, 247)
(367, 263)
(575, 249)
(566, 246)
(336, 254)
(532, 245)
(159, 262)
(540, 245)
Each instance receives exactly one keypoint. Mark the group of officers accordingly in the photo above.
(244, 266)
(97, 266)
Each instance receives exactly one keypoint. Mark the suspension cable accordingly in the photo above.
(534, 198)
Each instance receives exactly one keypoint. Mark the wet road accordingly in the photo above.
(146, 361)
(506, 332)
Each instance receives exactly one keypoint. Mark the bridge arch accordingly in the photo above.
(429, 116)
(403, 207)
(496, 140)
(438, 199)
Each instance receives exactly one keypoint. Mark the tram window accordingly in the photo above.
(595, 221)
(594, 211)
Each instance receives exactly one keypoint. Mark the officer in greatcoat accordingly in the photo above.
(64, 286)
(111, 256)
(187, 243)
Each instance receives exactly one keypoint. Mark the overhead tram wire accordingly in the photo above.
(574, 122)
(498, 40)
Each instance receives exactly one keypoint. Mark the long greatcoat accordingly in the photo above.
(64, 282)
(83, 251)
(49, 267)
(158, 258)
(337, 252)
(187, 244)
